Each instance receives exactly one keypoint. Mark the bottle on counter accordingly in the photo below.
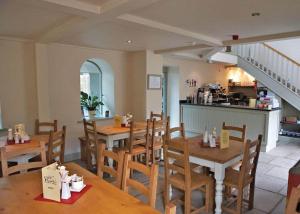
(210, 99)
(205, 136)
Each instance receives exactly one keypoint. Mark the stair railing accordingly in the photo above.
(277, 65)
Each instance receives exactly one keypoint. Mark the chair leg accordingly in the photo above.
(251, 195)
(167, 193)
(187, 201)
(239, 201)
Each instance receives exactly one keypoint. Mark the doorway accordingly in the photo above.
(171, 94)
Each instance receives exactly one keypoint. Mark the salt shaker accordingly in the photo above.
(10, 135)
(17, 138)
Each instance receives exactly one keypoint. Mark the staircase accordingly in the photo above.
(273, 69)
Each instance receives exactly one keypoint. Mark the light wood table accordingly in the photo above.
(17, 195)
(110, 134)
(17, 147)
(217, 160)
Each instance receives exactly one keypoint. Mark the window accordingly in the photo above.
(91, 81)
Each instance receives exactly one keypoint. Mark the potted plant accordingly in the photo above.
(91, 103)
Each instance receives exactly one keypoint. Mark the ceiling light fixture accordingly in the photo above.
(255, 14)
(129, 41)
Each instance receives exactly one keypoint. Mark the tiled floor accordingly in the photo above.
(271, 180)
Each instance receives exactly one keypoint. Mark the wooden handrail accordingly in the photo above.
(281, 54)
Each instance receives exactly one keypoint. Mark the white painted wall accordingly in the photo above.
(63, 63)
(289, 47)
(18, 95)
(173, 95)
(194, 69)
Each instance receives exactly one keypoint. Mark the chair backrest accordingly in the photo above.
(156, 115)
(177, 150)
(151, 172)
(44, 128)
(250, 160)
(170, 208)
(241, 130)
(175, 132)
(6, 155)
(56, 146)
(117, 157)
(138, 135)
(90, 131)
(293, 201)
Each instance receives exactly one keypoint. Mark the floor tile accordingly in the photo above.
(263, 168)
(270, 183)
(255, 211)
(294, 156)
(281, 152)
(279, 172)
(265, 200)
(280, 208)
(283, 162)
(265, 158)
(283, 191)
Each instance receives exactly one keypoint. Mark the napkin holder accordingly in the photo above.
(51, 182)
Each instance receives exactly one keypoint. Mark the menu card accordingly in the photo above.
(224, 139)
(51, 182)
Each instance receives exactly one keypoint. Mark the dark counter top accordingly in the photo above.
(229, 106)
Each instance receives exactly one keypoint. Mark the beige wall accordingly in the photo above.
(201, 71)
(63, 64)
(154, 97)
(18, 83)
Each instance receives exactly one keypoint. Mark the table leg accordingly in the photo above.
(110, 144)
(219, 176)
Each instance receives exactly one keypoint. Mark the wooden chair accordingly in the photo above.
(138, 140)
(91, 136)
(241, 130)
(151, 172)
(6, 155)
(170, 209)
(243, 178)
(176, 133)
(183, 178)
(104, 168)
(44, 128)
(155, 144)
(293, 201)
(156, 116)
(56, 146)
(83, 149)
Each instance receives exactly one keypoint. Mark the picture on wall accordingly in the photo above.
(154, 81)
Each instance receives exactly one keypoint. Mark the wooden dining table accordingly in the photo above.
(217, 160)
(111, 133)
(17, 195)
(34, 141)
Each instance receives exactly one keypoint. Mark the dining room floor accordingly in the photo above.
(271, 180)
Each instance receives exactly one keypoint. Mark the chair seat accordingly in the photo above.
(135, 151)
(232, 178)
(197, 180)
(180, 163)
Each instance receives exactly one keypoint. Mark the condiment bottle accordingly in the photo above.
(10, 135)
(205, 136)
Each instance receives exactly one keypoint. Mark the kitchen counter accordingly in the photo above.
(231, 106)
(197, 117)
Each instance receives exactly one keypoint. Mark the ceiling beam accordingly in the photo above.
(81, 23)
(77, 5)
(263, 38)
(181, 49)
(164, 27)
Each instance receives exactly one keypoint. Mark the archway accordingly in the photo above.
(97, 79)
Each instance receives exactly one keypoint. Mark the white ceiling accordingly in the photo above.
(150, 24)
(221, 19)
